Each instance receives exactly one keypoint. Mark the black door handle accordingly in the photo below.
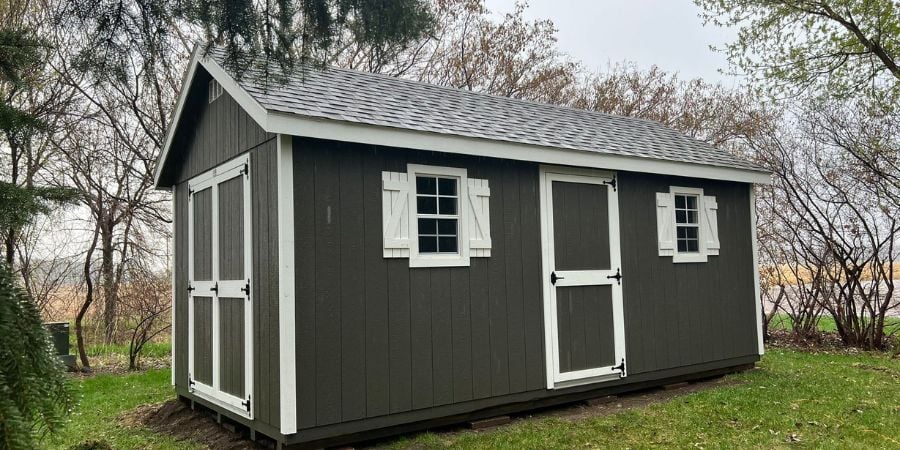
(215, 288)
(553, 278)
(617, 277)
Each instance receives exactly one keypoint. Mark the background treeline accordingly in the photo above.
(818, 107)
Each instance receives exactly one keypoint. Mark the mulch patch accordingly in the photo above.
(176, 419)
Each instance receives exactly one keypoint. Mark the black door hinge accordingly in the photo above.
(246, 404)
(246, 170)
(246, 288)
(611, 183)
(620, 368)
(190, 288)
(617, 277)
(215, 288)
(190, 381)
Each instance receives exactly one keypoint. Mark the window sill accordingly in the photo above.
(438, 261)
(689, 258)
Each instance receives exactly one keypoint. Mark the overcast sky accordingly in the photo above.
(667, 33)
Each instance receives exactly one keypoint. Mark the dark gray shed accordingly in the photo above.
(358, 255)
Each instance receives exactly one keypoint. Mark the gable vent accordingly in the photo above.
(215, 90)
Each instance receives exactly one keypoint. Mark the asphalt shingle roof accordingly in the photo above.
(366, 98)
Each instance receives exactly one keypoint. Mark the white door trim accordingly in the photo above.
(217, 288)
(555, 379)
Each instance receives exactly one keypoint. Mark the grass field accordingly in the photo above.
(828, 400)
(782, 321)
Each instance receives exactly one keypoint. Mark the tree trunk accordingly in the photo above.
(109, 283)
(88, 299)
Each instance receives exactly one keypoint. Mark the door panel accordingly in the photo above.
(583, 292)
(580, 226)
(586, 337)
(231, 346)
(202, 229)
(231, 229)
(203, 340)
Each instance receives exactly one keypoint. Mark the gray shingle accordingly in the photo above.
(373, 99)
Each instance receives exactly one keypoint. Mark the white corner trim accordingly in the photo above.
(297, 125)
(756, 287)
(286, 309)
(172, 266)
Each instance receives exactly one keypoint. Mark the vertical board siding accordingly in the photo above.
(203, 340)
(264, 194)
(683, 314)
(375, 337)
(231, 229)
(210, 133)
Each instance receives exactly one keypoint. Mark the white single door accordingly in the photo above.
(583, 277)
(220, 326)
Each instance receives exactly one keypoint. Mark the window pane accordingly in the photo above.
(681, 232)
(447, 205)
(427, 205)
(426, 185)
(691, 216)
(691, 232)
(447, 186)
(691, 202)
(680, 216)
(427, 226)
(693, 245)
(679, 201)
(427, 244)
(682, 246)
(447, 244)
(447, 226)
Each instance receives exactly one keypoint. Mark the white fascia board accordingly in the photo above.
(420, 140)
(287, 349)
(175, 117)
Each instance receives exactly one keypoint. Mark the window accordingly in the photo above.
(437, 213)
(687, 223)
(435, 216)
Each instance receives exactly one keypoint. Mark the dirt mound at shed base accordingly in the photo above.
(176, 419)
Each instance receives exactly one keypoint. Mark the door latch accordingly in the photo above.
(553, 278)
(215, 288)
(246, 288)
(617, 277)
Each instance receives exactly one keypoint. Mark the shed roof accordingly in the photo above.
(388, 103)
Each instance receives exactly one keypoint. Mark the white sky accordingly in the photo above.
(667, 33)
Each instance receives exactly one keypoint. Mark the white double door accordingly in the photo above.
(220, 358)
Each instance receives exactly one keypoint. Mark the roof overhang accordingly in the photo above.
(345, 131)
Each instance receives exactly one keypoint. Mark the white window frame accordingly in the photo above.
(459, 259)
(215, 90)
(701, 254)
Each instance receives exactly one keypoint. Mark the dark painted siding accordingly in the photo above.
(210, 135)
(231, 348)
(376, 339)
(683, 314)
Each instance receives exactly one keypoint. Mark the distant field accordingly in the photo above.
(782, 321)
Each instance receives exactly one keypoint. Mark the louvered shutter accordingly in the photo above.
(665, 223)
(711, 225)
(478, 218)
(395, 214)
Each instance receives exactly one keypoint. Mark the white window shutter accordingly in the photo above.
(395, 214)
(711, 225)
(478, 217)
(665, 223)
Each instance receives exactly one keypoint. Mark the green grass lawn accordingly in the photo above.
(813, 400)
